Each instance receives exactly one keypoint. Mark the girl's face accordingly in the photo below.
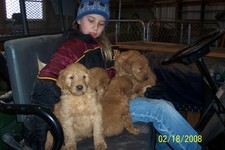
(92, 24)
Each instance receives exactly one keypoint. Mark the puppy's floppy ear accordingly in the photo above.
(61, 79)
(126, 91)
(126, 65)
(126, 87)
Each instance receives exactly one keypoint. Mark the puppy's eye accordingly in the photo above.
(84, 77)
(71, 77)
(139, 69)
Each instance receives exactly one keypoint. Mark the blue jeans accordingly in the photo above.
(175, 132)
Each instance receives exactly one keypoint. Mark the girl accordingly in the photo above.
(88, 45)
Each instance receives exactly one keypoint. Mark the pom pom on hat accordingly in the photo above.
(100, 7)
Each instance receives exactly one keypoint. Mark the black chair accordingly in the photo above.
(24, 57)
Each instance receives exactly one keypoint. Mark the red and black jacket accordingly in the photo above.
(78, 48)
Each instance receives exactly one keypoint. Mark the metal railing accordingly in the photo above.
(126, 30)
(184, 32)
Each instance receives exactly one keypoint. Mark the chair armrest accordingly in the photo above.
(40, 111)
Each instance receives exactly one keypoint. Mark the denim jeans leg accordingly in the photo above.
(166, 120)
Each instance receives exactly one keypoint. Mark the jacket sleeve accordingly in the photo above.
(69, 52)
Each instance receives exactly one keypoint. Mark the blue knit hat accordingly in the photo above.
(100, 7)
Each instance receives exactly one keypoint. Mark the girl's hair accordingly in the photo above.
(106, 46)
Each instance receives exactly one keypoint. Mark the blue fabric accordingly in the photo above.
(167, 121)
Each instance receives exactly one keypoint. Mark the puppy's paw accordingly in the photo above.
(134, 131)
(69, 147)
(100, 146)
(134, 95)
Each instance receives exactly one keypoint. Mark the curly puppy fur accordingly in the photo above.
(135, 65)
(78, 110)
(115, 104)
(99, 80)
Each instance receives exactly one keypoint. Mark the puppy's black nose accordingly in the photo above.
(79, 87)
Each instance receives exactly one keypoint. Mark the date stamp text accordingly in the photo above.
(179, 138)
